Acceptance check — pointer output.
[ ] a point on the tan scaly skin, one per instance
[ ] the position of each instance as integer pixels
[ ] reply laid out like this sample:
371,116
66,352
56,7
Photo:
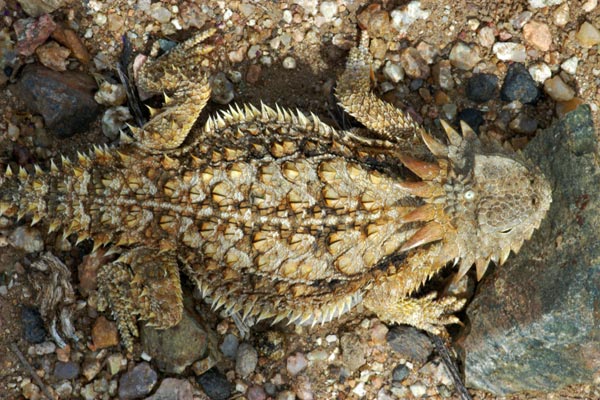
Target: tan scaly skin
274,214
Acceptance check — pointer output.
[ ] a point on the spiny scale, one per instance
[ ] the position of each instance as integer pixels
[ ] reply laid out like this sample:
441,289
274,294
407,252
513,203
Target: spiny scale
274,214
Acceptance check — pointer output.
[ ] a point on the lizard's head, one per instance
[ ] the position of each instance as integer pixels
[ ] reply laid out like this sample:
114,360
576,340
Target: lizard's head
484,199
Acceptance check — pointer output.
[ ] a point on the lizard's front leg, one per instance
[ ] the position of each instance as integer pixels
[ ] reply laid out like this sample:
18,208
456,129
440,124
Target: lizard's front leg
390,298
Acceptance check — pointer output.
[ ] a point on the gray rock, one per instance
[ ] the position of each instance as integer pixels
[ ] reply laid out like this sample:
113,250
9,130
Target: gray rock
410,343
137,383
353,351
173,389
66,370
246,359
36,8
176,348
535,324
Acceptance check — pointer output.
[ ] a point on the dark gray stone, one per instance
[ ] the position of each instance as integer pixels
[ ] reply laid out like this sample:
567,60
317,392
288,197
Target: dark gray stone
33,325
215,385
64,99
535,320
519,85
400,373
472,116
481,87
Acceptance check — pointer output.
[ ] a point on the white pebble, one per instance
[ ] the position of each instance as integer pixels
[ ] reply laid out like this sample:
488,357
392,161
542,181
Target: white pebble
328,10
287,16
540,72
544,3
360,390
570,65
393,72
508,51
289,63
418,389
404,17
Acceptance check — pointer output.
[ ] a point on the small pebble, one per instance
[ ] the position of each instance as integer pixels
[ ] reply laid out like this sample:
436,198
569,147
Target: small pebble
413,64
519,85
253,73
473,117
289,63
66,370
427,52
173,389
115,363
110,94
405,16
91,368
328,10
400,373
44,348
544,3
523,124
353,351
463,56
507,51
393,72
160,13
104,333
570,65
254,51
53,56
26,239
229,346
33,325
587,35
540,72
560,16
418,389
442,75
303,388
138,382
558,90
521,19
538,35
256,393
215,385
486,36
589,5
481,87
360,390
246,360
296,363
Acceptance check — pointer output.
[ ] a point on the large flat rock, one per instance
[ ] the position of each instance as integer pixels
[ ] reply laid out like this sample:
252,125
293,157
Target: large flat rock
535,320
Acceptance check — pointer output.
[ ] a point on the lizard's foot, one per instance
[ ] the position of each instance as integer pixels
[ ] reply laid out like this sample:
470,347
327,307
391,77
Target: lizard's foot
176,72
142,284
427,313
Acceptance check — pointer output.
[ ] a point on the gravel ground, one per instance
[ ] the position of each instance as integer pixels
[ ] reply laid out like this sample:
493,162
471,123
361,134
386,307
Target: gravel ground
509,69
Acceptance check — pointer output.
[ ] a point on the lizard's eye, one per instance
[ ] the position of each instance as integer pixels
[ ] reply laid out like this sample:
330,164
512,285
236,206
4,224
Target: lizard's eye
469,195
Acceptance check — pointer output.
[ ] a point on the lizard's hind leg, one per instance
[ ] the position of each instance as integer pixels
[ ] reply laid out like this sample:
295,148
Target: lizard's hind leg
186,89
142,284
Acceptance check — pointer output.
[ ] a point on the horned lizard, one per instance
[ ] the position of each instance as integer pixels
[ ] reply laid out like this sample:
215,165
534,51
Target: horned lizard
274,214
